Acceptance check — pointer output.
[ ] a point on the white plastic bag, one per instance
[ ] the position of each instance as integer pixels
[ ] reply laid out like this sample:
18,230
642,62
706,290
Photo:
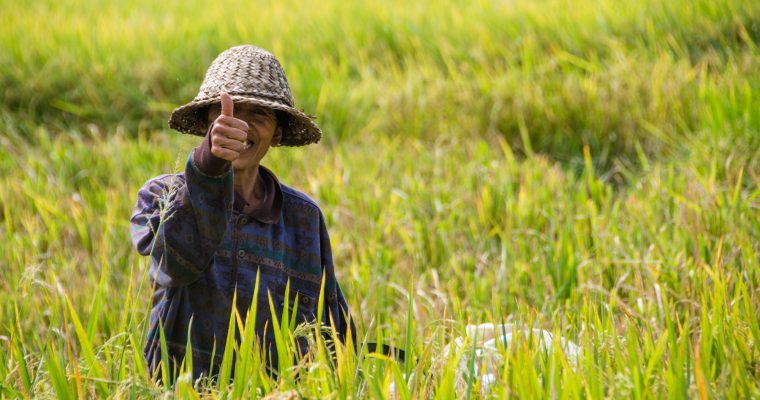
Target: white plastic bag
485,340
488,338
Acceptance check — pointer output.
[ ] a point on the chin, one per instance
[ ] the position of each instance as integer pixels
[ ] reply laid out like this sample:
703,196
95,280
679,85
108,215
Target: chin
242,164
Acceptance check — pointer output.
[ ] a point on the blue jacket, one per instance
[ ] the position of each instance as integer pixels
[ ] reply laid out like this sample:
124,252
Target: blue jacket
202,249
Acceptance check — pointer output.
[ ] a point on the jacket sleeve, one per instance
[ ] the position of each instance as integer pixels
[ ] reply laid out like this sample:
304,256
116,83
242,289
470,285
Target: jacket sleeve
180,221
336,305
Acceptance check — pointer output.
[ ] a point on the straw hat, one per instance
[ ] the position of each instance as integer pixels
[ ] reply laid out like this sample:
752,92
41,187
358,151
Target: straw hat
250,75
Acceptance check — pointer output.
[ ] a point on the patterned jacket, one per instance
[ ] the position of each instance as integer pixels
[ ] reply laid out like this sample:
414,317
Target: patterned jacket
203,249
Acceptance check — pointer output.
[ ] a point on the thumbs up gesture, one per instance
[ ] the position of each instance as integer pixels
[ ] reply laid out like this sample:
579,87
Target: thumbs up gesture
228,134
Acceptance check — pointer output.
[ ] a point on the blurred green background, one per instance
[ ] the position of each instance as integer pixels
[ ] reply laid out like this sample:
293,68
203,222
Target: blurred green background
605,73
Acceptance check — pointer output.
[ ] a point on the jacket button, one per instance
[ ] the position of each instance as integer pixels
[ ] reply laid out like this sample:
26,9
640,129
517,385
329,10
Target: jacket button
305,300
243,221
241,253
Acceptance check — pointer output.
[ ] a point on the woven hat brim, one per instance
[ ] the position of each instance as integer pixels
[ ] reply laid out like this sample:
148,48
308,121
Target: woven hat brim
299,130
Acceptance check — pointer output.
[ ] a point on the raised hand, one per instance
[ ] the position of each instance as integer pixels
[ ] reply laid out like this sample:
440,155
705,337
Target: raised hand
228,134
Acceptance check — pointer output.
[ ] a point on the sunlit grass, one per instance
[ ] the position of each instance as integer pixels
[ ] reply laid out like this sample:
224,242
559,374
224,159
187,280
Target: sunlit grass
589,169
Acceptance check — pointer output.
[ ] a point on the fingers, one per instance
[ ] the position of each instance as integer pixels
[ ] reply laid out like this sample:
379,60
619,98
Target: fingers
227,105
232,122
227,143
225,154
226,148
228,132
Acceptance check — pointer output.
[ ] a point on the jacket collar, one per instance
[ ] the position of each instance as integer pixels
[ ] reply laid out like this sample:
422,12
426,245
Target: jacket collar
270,210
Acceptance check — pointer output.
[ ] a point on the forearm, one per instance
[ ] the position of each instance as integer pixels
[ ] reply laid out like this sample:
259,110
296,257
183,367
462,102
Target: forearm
181,224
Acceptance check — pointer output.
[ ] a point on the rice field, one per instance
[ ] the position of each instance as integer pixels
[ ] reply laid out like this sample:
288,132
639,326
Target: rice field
587,168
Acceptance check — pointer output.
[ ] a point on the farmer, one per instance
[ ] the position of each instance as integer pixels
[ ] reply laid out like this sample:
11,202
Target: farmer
211,229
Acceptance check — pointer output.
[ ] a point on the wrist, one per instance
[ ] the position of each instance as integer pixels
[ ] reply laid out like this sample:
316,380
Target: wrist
206,162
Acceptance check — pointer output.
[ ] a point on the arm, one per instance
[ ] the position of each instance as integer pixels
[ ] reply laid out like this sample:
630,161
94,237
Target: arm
181,223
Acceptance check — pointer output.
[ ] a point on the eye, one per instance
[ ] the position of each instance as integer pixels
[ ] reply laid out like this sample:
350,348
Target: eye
262,118
253,120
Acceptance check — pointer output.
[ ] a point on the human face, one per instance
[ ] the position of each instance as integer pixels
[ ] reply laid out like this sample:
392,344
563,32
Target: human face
263,132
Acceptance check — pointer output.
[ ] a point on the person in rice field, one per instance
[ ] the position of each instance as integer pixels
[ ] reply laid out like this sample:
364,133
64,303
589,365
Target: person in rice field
211,229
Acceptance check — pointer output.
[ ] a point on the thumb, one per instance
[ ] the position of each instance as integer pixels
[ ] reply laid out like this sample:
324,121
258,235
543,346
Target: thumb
227,105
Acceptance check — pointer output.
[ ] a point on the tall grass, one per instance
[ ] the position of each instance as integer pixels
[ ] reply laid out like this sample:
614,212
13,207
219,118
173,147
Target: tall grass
587,168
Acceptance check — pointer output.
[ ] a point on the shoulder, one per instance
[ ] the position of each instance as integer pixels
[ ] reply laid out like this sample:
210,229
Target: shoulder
161,183
294,198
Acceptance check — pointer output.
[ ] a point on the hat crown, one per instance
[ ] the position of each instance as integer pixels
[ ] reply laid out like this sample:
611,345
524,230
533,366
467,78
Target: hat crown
246,71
